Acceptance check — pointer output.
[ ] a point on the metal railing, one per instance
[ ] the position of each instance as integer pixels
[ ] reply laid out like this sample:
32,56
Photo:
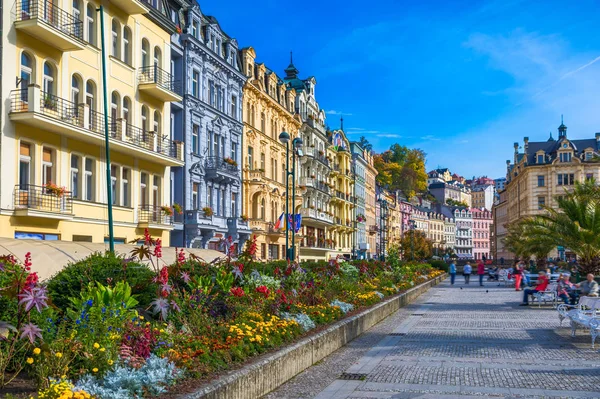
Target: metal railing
153,214
221,164
154,74
43,198
48,12
312,242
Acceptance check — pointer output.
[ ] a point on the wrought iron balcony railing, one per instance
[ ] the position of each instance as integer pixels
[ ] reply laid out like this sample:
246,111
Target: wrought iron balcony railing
154,214
162,78
48,12
43,198
221,164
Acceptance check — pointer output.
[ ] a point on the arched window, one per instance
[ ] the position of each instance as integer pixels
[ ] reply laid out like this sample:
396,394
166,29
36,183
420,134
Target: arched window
27,70
76,89
157,124
144,118
126,108
157,57
127,45
115,102
116,39
262,209
91,24
49,79
145,55
90,100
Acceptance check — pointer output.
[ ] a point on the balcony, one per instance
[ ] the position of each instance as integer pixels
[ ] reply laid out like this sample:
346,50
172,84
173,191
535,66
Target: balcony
222,170
273,232
159,84
314,183
133,7
45,21
35,108
316,243
43,201
373,229
153,216
318,155
257,225
315,124
316,215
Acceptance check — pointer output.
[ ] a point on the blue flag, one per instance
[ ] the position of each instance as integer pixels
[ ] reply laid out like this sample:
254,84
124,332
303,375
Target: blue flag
298,223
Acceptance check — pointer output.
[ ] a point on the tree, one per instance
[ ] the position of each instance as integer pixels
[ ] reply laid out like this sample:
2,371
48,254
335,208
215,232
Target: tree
364,143
461,204
574,225
519,240
402,168
415,242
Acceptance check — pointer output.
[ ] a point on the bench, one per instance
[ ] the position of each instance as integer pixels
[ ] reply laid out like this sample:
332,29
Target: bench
548,295
585,314
503,278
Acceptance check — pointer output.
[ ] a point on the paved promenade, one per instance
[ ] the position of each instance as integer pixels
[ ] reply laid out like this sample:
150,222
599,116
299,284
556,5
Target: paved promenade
458,343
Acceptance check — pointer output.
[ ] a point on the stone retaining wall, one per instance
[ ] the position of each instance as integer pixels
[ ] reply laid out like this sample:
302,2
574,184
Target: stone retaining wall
264,375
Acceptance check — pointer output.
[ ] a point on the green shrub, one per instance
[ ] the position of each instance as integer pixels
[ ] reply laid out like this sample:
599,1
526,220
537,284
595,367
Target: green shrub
439,264
104,268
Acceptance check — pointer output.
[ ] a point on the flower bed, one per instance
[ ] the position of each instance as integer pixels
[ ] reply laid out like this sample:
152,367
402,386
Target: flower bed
120,336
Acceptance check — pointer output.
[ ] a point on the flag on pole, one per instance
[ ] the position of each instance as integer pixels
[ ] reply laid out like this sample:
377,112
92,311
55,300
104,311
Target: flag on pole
298,223
290,221
280,222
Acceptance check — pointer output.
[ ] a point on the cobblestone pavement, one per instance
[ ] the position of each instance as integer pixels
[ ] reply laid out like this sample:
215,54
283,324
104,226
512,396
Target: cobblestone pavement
458,343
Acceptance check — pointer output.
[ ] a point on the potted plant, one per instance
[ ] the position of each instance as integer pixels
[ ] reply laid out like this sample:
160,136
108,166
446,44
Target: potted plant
244,218
177,208
55,190
178,29
208,211
230,161
50,102
166,210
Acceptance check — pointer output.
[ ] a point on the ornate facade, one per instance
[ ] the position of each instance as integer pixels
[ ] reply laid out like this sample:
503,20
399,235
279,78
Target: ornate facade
209,187
360,245
482,222
370,205
54,170
269,106
464,233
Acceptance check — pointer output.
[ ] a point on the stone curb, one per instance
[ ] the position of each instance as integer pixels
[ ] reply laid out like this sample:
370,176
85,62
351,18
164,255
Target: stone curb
265,375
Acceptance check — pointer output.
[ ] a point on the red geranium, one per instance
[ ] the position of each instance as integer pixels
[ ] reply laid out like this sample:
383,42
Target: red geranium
263,290
237,291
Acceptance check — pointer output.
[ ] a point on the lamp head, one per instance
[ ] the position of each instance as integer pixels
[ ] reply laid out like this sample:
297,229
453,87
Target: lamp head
298,142
284,137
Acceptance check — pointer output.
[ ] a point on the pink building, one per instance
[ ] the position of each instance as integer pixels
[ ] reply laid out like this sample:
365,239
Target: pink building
406,211
482,222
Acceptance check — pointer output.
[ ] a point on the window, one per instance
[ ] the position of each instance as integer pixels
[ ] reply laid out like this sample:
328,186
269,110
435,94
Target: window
195,190
25,177
566,179
47,165
144,188
541,181
541,202
223,202
156,191
113,184
234,212
90,100
250,158
209,197
75,177
19,235
234,151
145,55
262,209
115,101
195,80
126,107
125,179
27,68
145,121
91,24
76,11
116,39
211,93
157,57
262,122
195,29
157,124
127,45
589,156
89,179
565,157
195,135
263,251
262,160
49,77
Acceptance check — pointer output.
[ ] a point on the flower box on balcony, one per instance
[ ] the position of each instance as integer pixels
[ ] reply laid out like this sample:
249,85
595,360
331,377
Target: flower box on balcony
208,212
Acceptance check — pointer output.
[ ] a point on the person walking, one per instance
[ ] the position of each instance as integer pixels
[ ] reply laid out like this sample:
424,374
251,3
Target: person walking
467,269
452,271
518,273
480,272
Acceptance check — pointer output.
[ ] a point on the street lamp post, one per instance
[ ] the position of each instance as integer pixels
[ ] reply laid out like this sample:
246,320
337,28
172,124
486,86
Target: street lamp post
284,137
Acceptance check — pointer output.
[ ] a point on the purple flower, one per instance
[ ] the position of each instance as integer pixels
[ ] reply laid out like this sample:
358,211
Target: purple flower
160,305
166,288
175,306
34,297
31,331
1,266
185,276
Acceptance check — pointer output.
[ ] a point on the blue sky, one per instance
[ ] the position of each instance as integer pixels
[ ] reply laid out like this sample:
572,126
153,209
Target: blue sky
461,80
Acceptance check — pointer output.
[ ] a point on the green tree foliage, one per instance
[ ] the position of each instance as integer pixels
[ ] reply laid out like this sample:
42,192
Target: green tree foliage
452,202
402,168
519,240
574,225
364,143
415,242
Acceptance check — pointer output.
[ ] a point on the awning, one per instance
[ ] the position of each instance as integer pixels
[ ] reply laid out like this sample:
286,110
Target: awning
49,257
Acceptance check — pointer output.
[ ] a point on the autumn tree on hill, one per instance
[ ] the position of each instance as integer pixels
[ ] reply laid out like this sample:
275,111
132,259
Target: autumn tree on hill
402,168
415,245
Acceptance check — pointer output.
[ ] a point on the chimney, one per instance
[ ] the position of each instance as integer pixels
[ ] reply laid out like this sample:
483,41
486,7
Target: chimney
526,141
516,152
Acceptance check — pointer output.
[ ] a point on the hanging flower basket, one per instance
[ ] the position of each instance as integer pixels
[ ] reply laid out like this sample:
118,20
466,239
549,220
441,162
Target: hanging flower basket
208,211
166,210
177,208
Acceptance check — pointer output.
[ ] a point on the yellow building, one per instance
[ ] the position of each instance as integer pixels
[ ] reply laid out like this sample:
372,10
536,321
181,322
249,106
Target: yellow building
436,231
370,205
53,156
269,110
342,201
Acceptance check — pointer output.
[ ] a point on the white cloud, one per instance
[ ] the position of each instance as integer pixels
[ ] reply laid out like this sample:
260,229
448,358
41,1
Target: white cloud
334,112
430,137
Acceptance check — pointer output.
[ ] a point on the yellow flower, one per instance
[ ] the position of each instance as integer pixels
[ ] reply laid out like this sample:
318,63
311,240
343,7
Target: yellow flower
96,345
37,351
95,370
110,362
141,317
102,349
58,355
162,331
29,360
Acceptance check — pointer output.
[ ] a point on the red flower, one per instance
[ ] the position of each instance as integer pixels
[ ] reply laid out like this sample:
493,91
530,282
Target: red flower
28,261
31,281
237,291
263,290
158,248
180,256
147,237
163,276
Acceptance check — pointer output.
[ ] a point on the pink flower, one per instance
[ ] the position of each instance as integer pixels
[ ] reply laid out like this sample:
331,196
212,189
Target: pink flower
31,331
180,256
147,237
34,297
27,263
185,276
158,248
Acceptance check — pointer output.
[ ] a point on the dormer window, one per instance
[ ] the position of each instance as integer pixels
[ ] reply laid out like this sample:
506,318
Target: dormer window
540,159
589,156
195,29
565,156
